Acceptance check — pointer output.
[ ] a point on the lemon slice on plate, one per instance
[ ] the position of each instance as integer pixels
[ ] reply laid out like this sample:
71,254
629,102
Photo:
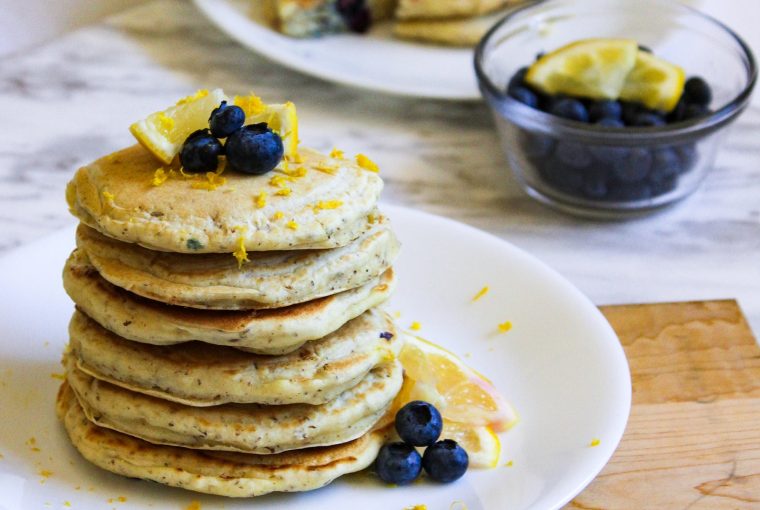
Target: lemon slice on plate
653,82
592,68
164,132
281,118
471,407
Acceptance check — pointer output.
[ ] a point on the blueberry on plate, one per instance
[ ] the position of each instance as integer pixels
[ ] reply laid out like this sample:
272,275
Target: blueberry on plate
445,461
225,120
569,109
419,423
254,149
607,109
647,119
525,96
398,463
697,91
200,152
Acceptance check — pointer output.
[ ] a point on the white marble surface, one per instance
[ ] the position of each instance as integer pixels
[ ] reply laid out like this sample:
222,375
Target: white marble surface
70,101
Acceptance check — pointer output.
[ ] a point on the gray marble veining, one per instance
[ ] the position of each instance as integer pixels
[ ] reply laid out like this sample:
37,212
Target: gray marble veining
71,101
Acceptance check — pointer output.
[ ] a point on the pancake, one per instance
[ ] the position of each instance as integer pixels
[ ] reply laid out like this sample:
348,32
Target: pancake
428,9
248,428
327,207
199,374
453,32
221,473
273,331
214,281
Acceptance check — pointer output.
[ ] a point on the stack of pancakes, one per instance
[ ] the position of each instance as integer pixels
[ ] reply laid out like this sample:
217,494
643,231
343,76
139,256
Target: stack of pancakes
226,337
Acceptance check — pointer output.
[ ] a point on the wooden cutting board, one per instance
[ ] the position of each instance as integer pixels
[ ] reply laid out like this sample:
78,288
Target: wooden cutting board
693,437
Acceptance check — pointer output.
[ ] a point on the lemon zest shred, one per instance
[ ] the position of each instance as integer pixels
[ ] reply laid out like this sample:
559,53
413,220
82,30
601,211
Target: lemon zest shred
509,463
165,123
251,104
595,442
325,168
415,326
482,292
328,204
109,197
278,181
284,192
278,215
194,505
213,181
240,253
416,507
366,163
371,218
194,97
261,200
505,326
60,377
337,154
159,177
292,225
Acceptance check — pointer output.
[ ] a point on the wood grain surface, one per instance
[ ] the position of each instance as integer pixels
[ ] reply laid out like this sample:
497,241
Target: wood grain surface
693,437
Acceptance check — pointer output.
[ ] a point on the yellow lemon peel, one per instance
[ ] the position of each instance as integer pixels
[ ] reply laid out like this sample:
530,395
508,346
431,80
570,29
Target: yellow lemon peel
366,163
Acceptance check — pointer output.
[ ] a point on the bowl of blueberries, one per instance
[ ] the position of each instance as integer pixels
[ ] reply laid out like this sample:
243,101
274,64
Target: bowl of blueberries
611,108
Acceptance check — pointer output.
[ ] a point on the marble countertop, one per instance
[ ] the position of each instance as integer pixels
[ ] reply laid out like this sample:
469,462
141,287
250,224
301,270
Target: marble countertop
70,101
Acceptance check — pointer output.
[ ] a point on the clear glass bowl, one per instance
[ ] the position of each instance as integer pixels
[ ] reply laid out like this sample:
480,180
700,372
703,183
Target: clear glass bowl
613,173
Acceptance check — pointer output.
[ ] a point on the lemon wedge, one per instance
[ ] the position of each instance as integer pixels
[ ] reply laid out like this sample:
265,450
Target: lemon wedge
592,68
653,82
482,445
281,118
163,133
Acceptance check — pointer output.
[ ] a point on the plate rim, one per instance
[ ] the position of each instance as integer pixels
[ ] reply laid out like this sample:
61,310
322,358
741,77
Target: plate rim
356,82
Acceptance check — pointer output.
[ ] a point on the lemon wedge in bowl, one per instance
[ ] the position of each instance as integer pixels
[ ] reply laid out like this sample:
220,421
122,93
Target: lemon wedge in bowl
591,68
654,82
163,133
472,409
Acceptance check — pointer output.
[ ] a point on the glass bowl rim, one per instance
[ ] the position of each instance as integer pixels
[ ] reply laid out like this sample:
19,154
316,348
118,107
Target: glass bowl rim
683,129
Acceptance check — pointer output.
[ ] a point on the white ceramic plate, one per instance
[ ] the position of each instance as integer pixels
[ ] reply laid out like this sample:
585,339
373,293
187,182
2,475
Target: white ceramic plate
374,61
561,366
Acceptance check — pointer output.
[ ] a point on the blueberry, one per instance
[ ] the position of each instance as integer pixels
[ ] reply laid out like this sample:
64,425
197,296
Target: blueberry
665,164
569,109
677,115
225,120
647,119
605,110
564,178
688,156
445,461
356,14
419,423
517,80
398,463
200,152
595,182
697,91
254,149
525,96
631,191
572,154
610,123
694,111
630,110
634,167
536,145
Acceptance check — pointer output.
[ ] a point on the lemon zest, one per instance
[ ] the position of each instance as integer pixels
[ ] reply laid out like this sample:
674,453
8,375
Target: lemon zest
213,181
240,253
284,192
505,326
278,215
371,218
194,505
261,200
165,123
509,463
159,177
251,104
366,163
60,377
295,158
325,168
292,225
298,173
415,326
481,293
595,442
278,181
337,154
328,204
194,97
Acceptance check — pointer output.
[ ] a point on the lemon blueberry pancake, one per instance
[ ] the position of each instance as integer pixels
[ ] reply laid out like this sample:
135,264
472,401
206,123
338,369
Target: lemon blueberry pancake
412,9
215,281
199,374
222,473
449,31
270,331
313,18
249,428
326,204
